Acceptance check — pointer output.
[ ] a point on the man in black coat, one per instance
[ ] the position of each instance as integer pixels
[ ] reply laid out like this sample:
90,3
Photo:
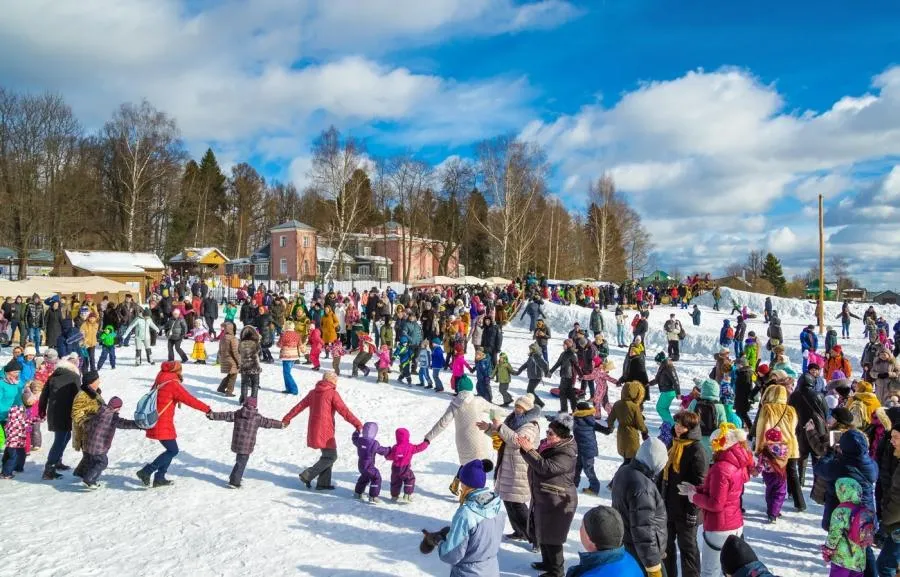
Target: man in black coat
684,516
55,404
810,406
643,510
491,340
210,308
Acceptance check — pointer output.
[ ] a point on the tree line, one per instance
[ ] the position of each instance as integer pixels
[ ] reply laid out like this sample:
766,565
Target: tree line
132,186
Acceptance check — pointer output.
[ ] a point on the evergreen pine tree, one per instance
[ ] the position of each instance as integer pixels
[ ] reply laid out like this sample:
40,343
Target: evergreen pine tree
772,272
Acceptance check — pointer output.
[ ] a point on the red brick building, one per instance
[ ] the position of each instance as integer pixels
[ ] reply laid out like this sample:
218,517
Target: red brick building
292,254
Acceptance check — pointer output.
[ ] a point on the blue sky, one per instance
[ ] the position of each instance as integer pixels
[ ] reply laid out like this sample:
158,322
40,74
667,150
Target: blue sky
720,121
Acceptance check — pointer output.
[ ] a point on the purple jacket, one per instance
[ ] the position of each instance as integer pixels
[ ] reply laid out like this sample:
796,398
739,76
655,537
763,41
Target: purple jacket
101,428
247,422
367,447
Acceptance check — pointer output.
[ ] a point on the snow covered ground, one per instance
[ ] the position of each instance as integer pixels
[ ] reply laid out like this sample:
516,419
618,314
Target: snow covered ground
274,527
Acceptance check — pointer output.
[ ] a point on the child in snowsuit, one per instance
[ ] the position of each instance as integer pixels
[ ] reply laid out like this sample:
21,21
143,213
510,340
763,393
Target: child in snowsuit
602,381
16,431
437,363
366,449
536,368
402,476
247,422
772,462
627,413
315,347
424,361
107,347
848,559
483,375
99,433
503,373
403,353
248,351
200,335
384,363
337,351
726,397
458,366
585,432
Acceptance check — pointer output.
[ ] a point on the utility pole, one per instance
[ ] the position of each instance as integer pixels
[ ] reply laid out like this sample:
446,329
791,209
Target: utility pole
820,310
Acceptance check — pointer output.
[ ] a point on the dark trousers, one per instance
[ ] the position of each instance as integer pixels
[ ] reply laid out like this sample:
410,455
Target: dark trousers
107,352
674,350
95,465
372,478
402,478
553,560
160,465
359,363
504,392
60,440
744,415
227,384
483,389
249,386
532,385
685,536
176,346
209,325
92,361
587,465
567,394
321,470
14,461
794,487
518,518
13,325
237,473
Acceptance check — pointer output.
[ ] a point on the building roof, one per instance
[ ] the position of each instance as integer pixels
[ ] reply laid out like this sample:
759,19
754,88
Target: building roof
100,261
326,254
36,254
374,258
195,255
293,225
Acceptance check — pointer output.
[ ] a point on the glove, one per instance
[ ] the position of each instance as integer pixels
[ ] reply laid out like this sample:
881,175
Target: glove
827,553
285,422
209,415
883,375
432,540
685,489
645,435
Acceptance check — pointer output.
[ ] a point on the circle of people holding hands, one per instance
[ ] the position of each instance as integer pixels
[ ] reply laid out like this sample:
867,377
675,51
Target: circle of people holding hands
676,499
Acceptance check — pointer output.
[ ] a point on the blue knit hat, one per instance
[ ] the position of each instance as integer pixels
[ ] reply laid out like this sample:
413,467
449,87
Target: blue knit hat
474,473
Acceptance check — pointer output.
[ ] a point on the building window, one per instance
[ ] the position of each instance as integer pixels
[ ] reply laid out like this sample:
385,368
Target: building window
382,272
364,271
262,269
283,266
347,272
282,241
367,251
305,242
305,268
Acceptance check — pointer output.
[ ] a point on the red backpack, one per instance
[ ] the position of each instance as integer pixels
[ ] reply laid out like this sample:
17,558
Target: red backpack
862,525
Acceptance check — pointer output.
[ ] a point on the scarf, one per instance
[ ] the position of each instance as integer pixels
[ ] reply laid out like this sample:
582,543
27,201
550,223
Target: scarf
515,421
675,453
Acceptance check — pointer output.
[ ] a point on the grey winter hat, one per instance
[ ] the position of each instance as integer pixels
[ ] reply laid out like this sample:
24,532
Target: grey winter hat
563,424
653,454
604,527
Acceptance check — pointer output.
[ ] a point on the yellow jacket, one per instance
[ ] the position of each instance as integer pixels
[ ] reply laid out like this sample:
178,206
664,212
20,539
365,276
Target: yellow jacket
89,329
84,407
774,411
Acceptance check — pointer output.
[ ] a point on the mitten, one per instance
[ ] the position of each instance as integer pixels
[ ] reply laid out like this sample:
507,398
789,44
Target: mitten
645,435
432,540
827,553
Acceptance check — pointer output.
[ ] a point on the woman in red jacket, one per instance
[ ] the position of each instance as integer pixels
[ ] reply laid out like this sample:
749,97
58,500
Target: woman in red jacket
171,394
323,402
720,495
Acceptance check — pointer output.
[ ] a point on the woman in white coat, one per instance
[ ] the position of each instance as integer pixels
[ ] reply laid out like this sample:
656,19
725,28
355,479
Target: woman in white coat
511,472
143,327
465,411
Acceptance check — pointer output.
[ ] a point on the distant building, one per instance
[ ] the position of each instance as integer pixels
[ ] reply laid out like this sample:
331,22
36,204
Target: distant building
39,262
812,290
207,260
137,270
886,298
293,252
857,295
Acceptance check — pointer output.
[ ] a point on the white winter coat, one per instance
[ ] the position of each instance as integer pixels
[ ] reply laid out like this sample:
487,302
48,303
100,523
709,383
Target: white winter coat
512,474
341,312
465,411
141,328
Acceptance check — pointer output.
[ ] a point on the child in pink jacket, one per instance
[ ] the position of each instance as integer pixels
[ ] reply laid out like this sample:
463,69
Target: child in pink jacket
402,476
600,376
315,347
384,363
458,367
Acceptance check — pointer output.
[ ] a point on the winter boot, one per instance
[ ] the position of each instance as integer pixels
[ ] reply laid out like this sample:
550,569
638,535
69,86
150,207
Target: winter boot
61,467
149,359
374,500
50,474
144,477
162,483
358,496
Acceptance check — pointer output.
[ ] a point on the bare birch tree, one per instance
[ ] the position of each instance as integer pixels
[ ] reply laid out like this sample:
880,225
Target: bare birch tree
410,179
145,150
600,214
335,159
513,174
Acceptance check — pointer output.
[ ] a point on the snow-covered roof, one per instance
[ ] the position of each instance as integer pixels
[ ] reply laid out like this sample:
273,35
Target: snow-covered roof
196,254
293,225
374,258
326,254
98,261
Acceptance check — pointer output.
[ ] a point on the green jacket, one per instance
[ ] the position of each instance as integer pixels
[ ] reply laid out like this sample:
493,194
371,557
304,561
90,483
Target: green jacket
846,553
503,372
108,337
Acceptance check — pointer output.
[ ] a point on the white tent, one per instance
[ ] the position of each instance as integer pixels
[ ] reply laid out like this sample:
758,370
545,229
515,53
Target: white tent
473,280
437,281
47,286
497,281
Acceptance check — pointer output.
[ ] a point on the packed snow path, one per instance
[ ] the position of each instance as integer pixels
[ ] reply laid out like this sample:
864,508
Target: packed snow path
274,526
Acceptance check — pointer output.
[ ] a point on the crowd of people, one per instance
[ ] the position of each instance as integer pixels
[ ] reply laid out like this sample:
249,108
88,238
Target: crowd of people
689,477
